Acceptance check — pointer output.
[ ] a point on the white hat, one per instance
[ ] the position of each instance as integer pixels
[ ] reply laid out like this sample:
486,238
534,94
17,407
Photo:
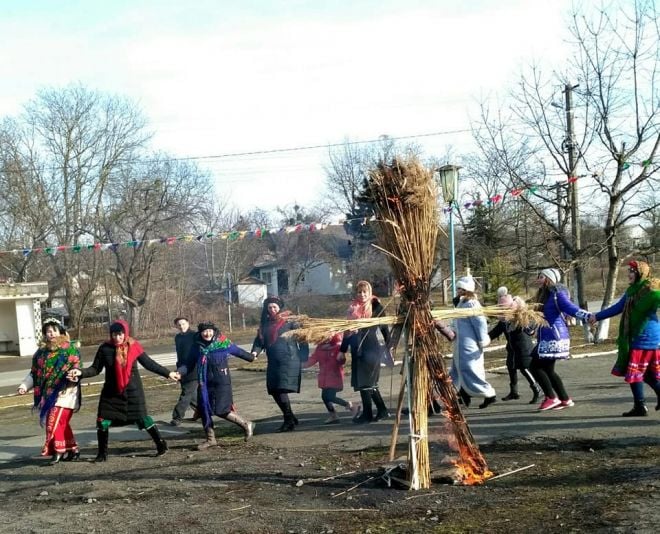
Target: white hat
552,274
502,291
466,283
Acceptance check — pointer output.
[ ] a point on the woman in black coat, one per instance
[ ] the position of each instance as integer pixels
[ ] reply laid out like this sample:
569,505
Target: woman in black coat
122,397
366,353
284,357
209,359
519,347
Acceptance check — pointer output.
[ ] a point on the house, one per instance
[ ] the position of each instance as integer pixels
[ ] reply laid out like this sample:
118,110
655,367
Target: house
318,266
20,316
251,292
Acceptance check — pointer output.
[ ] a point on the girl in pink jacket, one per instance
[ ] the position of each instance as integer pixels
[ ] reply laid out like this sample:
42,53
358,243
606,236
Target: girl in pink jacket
331,376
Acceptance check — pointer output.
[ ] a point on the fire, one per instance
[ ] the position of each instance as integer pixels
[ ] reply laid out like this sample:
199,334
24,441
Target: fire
469,476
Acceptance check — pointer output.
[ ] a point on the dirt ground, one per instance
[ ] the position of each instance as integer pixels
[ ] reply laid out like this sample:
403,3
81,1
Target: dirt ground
295,483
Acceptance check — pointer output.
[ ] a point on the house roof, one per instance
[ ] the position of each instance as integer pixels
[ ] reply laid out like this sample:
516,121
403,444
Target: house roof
250,281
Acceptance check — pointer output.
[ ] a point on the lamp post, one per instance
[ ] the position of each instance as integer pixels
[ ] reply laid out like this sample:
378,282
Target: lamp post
449,183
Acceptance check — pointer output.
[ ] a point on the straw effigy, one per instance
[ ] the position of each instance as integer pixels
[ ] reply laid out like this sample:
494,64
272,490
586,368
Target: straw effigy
404,199
403,196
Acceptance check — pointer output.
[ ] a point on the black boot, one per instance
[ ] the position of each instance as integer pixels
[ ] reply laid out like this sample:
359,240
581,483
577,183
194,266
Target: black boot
72,456
536,392
289,423
247,426
161,445
382,411
102,438
639,410
367,415
513,393
465,397
488,401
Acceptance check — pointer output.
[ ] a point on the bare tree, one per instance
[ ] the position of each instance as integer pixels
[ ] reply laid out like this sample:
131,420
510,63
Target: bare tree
155,200
613,135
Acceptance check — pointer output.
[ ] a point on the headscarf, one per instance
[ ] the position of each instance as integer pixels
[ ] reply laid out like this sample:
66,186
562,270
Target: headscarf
359,309
634,317
50,365
125,353
208,325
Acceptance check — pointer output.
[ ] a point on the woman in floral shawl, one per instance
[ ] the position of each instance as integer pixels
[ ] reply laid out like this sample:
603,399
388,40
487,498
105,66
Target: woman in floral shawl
210,352
638,358
55,396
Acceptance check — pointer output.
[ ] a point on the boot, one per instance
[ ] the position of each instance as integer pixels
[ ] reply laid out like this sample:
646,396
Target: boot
161,445
488,401
381,407
72,456
465,397
513,393
247,426
536,392
102,438
289,423
367,415
210,441
57,458
639,410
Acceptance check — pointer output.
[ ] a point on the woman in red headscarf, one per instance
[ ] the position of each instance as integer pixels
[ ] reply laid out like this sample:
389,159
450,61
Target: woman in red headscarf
122,397
638,358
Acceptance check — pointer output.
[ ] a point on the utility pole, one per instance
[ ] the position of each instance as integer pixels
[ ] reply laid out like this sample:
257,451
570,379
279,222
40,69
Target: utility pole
575,209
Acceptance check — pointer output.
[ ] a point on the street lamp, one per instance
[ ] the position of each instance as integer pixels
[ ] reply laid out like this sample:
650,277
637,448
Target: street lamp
449,183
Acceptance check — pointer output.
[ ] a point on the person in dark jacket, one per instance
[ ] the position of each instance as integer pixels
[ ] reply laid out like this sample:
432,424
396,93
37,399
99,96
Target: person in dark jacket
284,357
366,353
184,342
210,361
519,347
122,397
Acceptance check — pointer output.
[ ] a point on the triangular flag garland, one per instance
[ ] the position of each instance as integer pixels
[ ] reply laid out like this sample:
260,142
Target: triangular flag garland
234,235
237,235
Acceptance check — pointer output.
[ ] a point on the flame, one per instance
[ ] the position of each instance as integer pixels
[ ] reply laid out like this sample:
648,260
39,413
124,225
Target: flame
468,475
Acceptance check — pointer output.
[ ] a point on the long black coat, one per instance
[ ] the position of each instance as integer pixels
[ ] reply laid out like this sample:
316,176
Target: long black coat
184,342
519,343
366,352
129,406
284,357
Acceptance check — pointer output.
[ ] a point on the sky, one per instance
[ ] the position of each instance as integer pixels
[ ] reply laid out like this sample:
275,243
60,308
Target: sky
222,77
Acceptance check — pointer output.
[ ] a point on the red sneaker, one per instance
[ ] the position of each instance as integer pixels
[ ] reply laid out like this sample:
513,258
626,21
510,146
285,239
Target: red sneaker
549,403
565,404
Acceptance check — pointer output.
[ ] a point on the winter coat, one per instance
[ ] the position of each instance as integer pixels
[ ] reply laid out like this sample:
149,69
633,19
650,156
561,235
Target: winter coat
284,359
130,405
554,341
211,366
366,351
331,371
184,342
468,371
519,343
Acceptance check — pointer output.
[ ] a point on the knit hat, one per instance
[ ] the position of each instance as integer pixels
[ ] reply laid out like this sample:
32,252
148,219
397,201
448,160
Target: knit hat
552,274
274,300
206,325
466,283
503,296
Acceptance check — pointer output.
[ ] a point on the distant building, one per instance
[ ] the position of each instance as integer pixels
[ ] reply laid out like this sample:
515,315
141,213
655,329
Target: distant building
20,316
251,292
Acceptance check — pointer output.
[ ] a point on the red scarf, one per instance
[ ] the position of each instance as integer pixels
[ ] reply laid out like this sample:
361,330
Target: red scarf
269,332
125,356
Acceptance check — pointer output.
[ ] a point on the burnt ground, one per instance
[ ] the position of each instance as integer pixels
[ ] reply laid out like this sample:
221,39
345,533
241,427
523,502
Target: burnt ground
593,471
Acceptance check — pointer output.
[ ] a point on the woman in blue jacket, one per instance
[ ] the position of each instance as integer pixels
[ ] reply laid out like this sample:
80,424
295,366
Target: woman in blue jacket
554,341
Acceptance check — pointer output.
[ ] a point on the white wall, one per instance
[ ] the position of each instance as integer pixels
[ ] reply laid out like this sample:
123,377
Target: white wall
8,328
251,295
324,279
27,322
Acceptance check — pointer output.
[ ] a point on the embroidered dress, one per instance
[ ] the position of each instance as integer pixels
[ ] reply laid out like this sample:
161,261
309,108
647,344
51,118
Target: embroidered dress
54,396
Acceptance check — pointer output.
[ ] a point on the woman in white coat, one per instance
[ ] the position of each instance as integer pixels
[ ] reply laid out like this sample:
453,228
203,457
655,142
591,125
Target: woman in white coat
468,371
